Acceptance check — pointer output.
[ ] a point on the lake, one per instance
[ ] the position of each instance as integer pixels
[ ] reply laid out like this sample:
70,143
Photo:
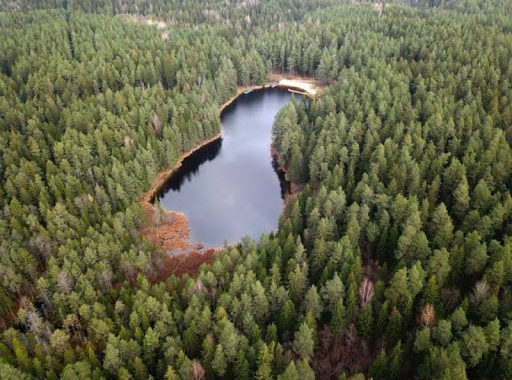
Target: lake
229,188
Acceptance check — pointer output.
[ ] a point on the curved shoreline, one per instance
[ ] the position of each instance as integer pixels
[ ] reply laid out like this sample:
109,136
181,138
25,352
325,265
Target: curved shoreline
180,232
163,176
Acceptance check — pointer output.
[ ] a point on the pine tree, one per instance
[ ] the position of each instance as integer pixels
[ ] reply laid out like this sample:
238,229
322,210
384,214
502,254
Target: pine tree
241,367
338,318
378,369
170,374
207,353
461,195
265,359
365,321
303,343
395,361
474,345
313,303
287,317
394,328
219,363
290,373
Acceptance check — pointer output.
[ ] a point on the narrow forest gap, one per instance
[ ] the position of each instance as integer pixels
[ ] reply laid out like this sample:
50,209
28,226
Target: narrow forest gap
69,34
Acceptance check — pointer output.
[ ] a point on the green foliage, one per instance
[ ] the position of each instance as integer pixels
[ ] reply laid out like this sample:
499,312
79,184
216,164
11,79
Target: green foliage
474,344
405,157
303,344
423,340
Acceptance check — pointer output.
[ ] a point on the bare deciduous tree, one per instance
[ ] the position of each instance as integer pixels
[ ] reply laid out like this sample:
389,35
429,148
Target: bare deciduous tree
41,246
366,291
64,282
197,371
378,8
129,270
35,324
105,278
428,315
480,293
157,123
450,297
198,286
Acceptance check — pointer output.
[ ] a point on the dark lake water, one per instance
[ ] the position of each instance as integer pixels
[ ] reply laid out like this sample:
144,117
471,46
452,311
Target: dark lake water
229,188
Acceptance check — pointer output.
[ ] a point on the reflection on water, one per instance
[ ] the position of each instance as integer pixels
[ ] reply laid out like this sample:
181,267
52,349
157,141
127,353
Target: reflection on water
229,188
191,164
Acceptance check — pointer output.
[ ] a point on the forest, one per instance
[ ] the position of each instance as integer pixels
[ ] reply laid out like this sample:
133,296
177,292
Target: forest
394,261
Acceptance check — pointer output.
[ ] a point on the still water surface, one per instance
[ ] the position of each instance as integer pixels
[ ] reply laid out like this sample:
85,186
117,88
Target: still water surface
229,188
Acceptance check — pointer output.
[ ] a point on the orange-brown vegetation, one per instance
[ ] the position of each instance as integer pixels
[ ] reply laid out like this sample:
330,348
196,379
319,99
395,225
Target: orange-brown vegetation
345,352
170,234
428,315
197,372
164,266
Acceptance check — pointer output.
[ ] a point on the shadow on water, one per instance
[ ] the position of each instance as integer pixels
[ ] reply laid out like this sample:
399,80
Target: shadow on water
285,185
190,166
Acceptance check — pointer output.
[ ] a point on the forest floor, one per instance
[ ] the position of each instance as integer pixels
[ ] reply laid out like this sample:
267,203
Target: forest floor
170,230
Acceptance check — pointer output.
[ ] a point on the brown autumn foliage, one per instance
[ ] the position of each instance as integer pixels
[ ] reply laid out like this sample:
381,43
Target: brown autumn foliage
169,233
164,266
428,315
346,352
450,298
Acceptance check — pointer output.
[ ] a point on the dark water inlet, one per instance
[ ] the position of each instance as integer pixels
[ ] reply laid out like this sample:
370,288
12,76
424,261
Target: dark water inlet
229,188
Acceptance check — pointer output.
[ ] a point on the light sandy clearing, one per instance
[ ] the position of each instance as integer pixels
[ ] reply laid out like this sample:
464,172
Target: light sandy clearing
309,85
305,85
143,20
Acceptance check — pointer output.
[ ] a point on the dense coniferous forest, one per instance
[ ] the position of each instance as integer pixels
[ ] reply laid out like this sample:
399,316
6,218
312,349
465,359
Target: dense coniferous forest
393,261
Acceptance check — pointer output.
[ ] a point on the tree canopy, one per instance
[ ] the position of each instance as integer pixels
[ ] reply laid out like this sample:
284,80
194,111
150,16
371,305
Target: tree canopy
393,261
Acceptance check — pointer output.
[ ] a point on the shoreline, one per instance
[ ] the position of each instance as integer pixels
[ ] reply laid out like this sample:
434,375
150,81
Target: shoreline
306,86
163,176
